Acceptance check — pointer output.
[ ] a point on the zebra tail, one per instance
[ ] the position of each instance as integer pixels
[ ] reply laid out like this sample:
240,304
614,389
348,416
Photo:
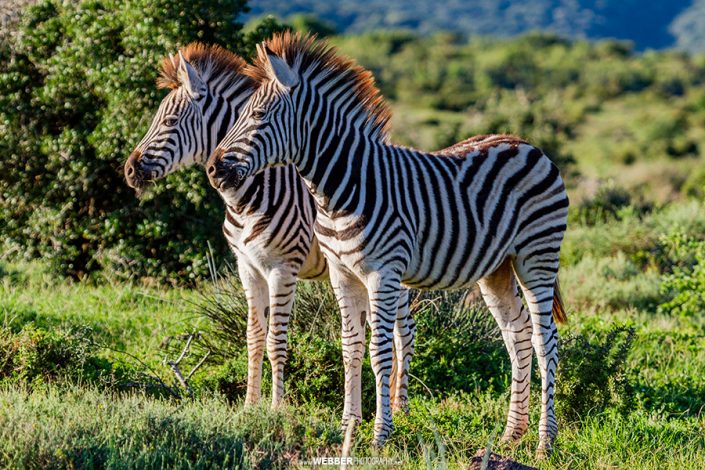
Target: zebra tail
559,314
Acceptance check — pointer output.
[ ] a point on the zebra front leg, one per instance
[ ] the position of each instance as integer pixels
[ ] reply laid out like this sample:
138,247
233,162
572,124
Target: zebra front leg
352,299
538,277
257,294
384,302
282,286
404,334
501,294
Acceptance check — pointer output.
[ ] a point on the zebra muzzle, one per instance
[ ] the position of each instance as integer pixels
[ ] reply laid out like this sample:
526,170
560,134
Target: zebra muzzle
223,175
133,172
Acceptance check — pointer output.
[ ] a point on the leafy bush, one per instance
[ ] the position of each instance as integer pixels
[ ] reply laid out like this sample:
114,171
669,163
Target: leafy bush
694,185
76,95
591,374
33,356
611,283
457,349
605,206
685,284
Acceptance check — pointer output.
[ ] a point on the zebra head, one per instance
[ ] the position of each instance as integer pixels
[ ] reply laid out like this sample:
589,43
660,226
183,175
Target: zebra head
265,133
176,137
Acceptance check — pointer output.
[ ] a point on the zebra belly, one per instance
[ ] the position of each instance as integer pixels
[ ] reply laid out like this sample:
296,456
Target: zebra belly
450,281
457,264
315,267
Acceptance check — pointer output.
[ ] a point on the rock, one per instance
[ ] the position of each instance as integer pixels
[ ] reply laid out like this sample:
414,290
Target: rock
496,462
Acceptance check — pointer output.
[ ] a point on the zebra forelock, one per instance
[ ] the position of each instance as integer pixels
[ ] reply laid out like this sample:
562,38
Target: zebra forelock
322,66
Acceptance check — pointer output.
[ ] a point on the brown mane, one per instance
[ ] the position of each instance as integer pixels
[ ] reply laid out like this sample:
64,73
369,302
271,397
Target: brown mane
208,60
481,143
305,53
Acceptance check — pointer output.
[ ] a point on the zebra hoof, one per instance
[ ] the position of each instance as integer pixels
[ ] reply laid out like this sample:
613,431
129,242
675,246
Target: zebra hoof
400,406
512,435
544,450
347,419
382,435
251,401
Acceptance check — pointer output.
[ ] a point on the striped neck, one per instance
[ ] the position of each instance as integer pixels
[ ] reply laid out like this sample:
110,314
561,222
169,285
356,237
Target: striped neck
221,108
336,151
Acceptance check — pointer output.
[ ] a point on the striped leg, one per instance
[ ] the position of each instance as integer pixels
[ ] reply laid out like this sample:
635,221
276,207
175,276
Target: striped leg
352,299
282,285
404,333
537,275
257,294
501,294
384,302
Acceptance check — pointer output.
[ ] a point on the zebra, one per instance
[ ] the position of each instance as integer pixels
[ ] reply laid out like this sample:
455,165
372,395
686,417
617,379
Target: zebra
268,219
491,210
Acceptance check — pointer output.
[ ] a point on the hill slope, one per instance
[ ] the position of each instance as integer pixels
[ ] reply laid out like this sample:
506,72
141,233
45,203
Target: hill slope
648,24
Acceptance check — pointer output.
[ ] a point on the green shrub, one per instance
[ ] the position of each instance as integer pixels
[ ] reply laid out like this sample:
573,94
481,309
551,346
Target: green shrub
457,348
33,356
591,374
229,378
694,185
685,284
76,95
605,206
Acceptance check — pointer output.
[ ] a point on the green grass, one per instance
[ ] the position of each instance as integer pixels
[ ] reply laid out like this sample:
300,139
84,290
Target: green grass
84,427
611,275
124,316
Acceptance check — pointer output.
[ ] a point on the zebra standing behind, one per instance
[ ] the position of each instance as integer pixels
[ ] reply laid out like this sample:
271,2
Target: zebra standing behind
491,209
268,219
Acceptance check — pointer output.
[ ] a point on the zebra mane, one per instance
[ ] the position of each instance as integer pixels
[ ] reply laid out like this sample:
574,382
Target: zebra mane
209,60
312,57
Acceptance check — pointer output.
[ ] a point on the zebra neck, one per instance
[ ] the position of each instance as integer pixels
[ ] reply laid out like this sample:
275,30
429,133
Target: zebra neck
221,110
336,165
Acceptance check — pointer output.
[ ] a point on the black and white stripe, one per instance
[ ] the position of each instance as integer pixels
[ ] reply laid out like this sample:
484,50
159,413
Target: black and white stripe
269,218
491,209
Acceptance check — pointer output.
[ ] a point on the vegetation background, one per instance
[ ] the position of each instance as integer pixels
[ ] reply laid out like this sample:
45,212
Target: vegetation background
98,287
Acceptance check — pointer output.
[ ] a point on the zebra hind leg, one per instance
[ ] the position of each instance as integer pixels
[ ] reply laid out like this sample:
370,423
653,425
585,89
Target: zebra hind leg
501,294
404,334
537,275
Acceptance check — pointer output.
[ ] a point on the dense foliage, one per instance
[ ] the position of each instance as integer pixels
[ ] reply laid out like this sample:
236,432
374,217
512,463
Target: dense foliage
685,285
648,24
76,95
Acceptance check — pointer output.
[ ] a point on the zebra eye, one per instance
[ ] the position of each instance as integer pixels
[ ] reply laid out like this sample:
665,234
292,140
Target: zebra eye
170,121
259,114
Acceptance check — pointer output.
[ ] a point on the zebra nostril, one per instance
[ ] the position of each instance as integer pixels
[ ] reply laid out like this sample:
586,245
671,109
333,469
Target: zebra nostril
211,170
130,171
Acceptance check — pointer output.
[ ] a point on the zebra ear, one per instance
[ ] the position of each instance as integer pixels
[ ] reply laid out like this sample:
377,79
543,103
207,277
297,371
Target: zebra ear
190,79
281,72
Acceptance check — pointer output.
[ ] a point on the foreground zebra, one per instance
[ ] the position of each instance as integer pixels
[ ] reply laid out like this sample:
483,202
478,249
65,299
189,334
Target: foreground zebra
269,217
491,209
